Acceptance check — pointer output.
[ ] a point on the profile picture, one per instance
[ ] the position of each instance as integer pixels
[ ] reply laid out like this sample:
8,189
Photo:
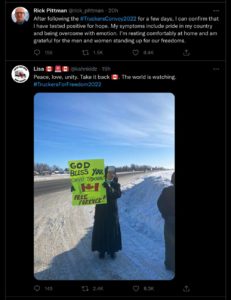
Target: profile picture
20,74
20,15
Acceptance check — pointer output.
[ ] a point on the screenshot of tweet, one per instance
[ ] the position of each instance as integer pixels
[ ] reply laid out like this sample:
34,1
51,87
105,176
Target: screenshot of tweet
115,122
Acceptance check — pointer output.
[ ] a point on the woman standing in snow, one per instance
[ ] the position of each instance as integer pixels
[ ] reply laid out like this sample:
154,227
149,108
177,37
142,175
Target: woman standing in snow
106,236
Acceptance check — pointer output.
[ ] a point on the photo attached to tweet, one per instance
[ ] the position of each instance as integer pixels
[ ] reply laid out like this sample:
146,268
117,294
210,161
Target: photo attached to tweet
110,186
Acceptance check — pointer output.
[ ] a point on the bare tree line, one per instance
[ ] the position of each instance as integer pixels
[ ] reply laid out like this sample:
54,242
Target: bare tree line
42,168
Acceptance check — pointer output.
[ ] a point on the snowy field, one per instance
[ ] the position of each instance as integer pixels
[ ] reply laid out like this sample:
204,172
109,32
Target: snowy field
62,235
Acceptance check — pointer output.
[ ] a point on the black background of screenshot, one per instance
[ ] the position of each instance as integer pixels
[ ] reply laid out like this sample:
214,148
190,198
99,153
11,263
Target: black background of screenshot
200,162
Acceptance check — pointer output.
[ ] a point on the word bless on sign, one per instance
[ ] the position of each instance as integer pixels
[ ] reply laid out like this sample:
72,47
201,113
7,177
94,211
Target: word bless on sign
87,177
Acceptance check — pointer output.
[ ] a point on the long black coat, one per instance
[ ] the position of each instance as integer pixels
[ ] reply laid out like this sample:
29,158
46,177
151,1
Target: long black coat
166,202
106,236
166,205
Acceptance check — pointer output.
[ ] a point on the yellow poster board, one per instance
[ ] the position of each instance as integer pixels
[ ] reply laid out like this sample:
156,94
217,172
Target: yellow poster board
87,177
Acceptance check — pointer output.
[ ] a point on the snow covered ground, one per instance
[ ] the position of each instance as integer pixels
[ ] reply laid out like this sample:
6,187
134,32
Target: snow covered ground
62,235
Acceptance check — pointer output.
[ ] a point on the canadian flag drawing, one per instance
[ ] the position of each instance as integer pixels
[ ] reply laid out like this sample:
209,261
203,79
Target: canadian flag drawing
89,187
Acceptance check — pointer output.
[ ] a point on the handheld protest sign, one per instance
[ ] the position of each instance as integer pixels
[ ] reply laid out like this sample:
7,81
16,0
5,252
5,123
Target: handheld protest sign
87,177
